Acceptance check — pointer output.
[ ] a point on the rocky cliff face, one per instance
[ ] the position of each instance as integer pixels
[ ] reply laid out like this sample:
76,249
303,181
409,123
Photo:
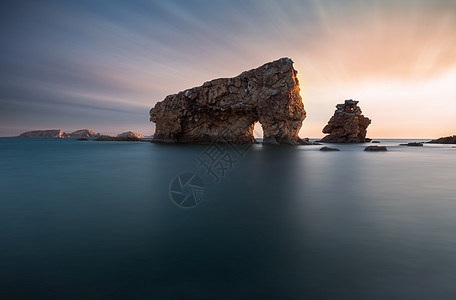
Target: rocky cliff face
225,110
52,133
347,125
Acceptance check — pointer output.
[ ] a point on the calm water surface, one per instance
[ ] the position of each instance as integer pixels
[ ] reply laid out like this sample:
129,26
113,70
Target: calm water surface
94,220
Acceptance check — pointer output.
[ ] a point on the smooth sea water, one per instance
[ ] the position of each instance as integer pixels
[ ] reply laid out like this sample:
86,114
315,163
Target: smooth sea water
94,220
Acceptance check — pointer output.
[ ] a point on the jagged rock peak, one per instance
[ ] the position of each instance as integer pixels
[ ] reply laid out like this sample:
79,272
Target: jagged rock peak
225,110
347,125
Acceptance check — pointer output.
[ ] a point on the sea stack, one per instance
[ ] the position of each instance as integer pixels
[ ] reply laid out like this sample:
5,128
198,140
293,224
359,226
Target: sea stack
225,110
347,125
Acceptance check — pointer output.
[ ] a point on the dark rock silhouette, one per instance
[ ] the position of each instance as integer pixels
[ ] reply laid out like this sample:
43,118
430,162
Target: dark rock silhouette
329,149
125,138
225,110
444,140
347,125
375,148
413,144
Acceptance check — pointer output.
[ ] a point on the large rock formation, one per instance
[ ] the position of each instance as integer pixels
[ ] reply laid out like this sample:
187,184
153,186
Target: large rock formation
225,110
444,140
347,125
52,133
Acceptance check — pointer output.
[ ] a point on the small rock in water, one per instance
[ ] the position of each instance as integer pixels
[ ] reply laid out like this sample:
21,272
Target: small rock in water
329,149
412,144
375,142
375,148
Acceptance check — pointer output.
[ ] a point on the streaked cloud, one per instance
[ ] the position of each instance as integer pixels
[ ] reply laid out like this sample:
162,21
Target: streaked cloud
112,60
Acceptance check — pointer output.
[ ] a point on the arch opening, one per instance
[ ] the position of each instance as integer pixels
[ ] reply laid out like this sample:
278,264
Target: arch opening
258,131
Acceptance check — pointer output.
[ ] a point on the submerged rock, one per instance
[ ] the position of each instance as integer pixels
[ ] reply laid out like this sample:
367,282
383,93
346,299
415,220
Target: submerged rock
414,144
329,149
375,142
225,110
52,133
347,125
375,148
444,140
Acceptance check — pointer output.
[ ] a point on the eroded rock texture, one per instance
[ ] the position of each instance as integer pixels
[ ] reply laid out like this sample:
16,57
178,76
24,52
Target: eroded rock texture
347,125
225,110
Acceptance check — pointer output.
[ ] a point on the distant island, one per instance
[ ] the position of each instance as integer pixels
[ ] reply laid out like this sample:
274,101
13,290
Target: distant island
83,134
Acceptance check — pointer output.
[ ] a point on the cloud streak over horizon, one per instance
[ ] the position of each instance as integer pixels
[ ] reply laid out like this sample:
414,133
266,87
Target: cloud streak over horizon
104,64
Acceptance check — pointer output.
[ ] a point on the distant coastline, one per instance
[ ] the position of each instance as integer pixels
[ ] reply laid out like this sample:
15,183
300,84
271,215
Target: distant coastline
81,134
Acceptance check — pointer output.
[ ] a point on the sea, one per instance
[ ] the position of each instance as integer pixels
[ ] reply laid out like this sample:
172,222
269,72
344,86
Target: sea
139,220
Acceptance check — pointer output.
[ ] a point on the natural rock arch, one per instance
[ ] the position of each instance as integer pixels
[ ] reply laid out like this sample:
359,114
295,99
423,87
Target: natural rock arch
225,110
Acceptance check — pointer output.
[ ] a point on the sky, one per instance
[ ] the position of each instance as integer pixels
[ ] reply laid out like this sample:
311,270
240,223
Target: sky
103,64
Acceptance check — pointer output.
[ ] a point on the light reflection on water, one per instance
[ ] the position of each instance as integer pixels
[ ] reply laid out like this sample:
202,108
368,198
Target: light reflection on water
94,220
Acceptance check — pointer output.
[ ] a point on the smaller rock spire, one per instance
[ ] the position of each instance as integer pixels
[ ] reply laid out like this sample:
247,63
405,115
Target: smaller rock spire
347,125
